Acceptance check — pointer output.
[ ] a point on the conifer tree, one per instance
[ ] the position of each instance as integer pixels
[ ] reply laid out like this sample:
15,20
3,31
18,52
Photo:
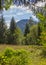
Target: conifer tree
14,34
12,28
31,22
27,29
2,30
12,25
28,25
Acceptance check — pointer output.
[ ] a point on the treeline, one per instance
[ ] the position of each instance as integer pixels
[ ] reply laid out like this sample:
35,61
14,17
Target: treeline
11,35
34,33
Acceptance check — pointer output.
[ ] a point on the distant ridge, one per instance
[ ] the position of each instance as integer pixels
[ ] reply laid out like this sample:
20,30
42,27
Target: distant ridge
21,24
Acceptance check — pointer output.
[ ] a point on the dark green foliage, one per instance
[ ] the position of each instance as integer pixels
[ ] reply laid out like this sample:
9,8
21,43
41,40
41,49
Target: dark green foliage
14,35
27,29
12,28
39,30
12,25
2,30
31,22
31,32
34,34
28,25
38,33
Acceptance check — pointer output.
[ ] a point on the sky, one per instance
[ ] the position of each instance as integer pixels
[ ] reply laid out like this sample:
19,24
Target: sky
18,13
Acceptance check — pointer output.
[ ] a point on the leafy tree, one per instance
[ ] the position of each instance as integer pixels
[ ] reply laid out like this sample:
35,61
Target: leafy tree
2,31
42,26
31,32
18,36
6,2
39,32
32,37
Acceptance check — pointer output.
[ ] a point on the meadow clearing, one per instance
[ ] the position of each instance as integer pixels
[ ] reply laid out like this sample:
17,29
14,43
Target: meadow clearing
37,53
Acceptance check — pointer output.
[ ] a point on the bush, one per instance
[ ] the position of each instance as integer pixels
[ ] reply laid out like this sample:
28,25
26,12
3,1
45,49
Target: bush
17,57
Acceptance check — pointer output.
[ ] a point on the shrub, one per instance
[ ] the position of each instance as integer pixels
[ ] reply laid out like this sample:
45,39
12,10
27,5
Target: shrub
17,57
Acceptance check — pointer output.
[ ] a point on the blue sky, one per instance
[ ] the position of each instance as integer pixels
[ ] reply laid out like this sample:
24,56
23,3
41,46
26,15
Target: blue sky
18,13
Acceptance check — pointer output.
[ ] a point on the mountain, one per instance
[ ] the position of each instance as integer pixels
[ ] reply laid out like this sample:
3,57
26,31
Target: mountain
21,24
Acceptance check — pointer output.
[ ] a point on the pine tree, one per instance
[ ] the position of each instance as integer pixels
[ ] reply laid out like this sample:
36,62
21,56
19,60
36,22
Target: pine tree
31,22
2,31
28,25
12,25
27,29
14,33
11,32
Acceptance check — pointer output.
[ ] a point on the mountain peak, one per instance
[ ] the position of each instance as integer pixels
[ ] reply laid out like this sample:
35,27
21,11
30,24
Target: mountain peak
21,24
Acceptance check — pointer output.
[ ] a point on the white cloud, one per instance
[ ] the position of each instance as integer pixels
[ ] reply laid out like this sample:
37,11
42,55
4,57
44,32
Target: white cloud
17,11
40,4
8,22
8,25
16,20
29,11
7,16
34,18
20,13
22,7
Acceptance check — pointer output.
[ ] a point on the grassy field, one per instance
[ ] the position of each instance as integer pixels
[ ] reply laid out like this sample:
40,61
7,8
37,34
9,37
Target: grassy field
36,53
